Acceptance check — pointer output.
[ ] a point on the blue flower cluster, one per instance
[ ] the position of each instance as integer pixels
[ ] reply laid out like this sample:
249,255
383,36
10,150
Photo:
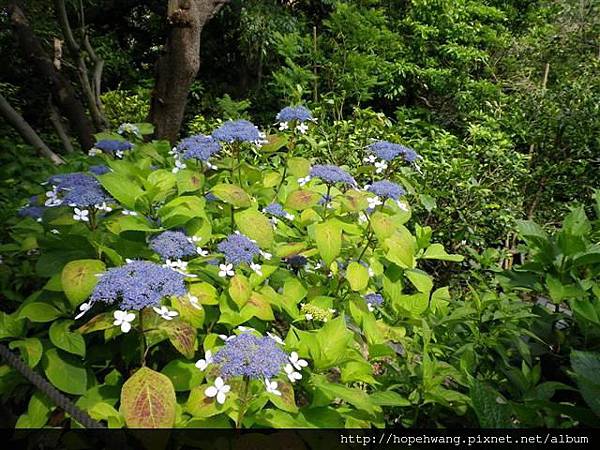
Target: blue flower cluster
331,174
275,209
374,299
99,169
173,244
113,146
299,113
79,189
388,150
386,189
237,131
238,249
198,147
138,285
250,356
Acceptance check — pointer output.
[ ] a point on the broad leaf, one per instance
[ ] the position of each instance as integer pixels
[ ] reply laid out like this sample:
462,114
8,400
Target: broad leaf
79,279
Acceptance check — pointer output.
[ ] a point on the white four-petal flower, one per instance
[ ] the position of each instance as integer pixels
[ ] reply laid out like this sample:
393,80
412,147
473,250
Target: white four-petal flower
219,390
81,214
272,387
202,364
226,270
291,373
123,319
302,127
165,313
257,268
297,362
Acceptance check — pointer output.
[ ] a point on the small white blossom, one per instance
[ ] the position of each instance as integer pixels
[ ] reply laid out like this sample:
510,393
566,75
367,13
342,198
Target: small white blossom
54,231
371,159
266,255
283,126
211,166
374,202
403,206
179,165
302,128
219,390
202,364
194,301
52,198
201,251
297,362
257,268
308,316
226,270
370,307
126,212
103,207
226,338
292,374
81,214
289,216
83,308
123,319
272,387
275,338
164,312
94,151
380,166
303,181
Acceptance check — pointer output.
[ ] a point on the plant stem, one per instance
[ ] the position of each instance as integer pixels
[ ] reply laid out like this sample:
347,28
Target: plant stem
142,339
243,403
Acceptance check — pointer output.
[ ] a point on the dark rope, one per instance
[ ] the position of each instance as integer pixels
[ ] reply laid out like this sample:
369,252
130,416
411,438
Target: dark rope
53,394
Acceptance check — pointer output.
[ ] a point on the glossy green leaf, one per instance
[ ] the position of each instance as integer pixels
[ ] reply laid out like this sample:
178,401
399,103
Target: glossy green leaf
79,278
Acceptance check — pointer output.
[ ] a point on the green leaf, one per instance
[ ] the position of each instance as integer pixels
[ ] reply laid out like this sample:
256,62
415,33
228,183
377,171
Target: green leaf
332,342
79,279
298,167
39,312
181,335
401,248
64,372
31,350
286,401
389,398
383,225
586,366
491,409
354,396
421,280
11,325
302,199
148,400
328,236
436,251
123,189
232,194
239,289
206,293
199,405
357,275
63,338
97,323
105,411
256,226
183,374
189,181
38,412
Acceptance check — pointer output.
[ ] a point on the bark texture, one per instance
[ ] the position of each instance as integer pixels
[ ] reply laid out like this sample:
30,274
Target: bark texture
179,63
27,133
62,91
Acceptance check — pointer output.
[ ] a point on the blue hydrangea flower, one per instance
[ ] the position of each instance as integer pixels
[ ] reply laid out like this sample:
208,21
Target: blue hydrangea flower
373,300
238,249
275,209
173,245
250,356
386,189
388,150
138,285
99,169
35,212
113,146
79,189
299,113
210,197
198,147
237,131
331,174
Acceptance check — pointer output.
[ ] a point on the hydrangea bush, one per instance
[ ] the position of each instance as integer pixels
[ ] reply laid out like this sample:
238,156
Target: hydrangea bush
229,282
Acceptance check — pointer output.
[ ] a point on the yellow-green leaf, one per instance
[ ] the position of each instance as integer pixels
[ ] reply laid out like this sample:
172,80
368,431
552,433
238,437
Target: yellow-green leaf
256,226
232,194
357,275
328,236
79,278
148,400
302,199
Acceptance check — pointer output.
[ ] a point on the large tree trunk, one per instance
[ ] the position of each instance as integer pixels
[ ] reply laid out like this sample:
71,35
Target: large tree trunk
178,65
27,133
60,87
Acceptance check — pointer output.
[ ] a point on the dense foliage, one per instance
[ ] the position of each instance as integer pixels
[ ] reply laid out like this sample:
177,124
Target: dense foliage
414,239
